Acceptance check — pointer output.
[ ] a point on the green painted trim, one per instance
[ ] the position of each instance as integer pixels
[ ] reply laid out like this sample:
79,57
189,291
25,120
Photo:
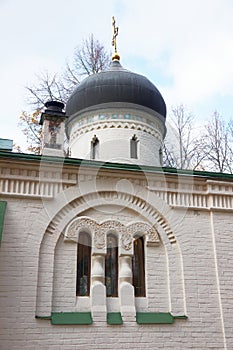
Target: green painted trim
43,317
154,318
182,317
113,166
114,318
71,318
157,317
2,215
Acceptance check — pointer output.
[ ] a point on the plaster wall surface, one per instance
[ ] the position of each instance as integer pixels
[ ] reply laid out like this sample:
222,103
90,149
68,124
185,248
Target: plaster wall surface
114,146
114,129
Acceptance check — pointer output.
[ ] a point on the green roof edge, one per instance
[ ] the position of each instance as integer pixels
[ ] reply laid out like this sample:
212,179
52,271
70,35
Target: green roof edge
113,166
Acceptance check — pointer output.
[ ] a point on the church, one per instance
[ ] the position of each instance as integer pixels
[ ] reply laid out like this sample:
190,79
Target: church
104,248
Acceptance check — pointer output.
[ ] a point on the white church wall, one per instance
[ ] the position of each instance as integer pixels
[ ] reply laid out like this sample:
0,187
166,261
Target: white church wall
222,230
157,283
64,282
194,274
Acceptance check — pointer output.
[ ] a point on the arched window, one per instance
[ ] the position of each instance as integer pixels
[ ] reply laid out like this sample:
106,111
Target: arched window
111,267
139,268
134,147
83,265
95,148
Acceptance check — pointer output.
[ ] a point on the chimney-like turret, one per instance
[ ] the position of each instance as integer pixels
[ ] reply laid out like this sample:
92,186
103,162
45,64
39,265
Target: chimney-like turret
53,130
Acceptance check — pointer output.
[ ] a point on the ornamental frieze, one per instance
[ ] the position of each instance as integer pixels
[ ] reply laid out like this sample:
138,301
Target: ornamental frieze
99,232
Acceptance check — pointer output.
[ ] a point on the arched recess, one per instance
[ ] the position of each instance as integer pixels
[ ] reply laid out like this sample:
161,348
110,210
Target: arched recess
73,209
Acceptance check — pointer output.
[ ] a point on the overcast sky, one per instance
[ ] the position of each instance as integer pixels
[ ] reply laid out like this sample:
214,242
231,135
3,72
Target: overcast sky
185,47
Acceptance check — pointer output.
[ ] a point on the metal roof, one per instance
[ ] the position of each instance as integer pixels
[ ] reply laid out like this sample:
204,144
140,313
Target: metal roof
115,85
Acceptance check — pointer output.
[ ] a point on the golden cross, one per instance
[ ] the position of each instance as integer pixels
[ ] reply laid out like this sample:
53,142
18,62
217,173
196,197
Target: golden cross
115,33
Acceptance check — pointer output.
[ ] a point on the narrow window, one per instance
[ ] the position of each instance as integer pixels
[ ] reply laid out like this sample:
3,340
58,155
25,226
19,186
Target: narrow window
111,267
161,156
139,268
134,147
94,148
83,265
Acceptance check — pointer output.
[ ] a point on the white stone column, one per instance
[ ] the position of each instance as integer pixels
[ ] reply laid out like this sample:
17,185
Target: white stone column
126,290
98,289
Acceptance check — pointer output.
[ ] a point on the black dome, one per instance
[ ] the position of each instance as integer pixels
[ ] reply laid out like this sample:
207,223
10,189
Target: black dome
115,85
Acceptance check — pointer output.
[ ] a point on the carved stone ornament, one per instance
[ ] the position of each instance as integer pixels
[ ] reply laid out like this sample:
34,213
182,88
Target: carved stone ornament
112,226
99,239
104,228
80,224
153,237
139,229
99,232
126,241
72,231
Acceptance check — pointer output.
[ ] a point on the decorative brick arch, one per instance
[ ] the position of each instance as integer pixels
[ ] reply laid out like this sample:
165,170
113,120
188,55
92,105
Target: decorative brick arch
74,204
122,199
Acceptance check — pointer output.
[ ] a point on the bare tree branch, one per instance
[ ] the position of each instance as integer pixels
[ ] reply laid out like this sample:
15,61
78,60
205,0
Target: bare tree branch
217,141
90,58
181,146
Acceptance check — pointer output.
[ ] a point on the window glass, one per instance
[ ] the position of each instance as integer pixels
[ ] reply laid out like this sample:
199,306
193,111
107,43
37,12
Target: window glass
83,265
111,267
139,268
134,147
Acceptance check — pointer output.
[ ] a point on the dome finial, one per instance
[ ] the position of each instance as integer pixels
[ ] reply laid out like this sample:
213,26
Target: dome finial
116,55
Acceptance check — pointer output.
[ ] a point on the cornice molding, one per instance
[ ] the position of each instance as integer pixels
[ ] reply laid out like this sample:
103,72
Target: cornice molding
41,177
